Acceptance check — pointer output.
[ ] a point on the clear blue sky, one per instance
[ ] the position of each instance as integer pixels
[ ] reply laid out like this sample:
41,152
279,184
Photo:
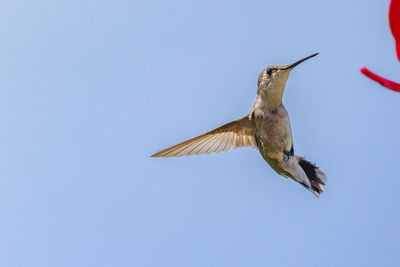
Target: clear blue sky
90,89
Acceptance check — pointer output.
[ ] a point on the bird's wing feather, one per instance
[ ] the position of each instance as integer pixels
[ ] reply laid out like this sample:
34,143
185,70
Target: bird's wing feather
229,136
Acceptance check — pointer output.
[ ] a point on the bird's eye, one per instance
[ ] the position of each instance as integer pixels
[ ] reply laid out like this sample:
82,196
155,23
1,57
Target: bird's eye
269,72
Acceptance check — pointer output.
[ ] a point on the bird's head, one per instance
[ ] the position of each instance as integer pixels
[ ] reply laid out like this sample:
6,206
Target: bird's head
272,80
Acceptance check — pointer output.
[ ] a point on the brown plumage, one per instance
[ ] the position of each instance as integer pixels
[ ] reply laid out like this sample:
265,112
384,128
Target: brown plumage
235,134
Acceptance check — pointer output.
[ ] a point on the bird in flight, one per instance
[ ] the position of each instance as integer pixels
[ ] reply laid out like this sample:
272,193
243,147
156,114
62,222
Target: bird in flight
266,127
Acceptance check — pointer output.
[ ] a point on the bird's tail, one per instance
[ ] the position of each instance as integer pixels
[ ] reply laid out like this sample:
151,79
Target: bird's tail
305,173
316,177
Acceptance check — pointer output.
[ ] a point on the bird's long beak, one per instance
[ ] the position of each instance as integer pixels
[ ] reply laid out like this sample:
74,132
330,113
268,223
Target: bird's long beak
291,66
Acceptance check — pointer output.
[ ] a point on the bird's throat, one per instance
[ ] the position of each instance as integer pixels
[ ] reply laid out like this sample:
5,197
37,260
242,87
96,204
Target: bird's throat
270,99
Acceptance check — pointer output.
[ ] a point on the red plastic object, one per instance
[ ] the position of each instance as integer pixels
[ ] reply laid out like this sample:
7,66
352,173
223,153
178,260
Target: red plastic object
394,22
385,82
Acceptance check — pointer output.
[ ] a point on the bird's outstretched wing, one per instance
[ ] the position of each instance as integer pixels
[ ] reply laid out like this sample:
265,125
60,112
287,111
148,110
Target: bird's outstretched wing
229,136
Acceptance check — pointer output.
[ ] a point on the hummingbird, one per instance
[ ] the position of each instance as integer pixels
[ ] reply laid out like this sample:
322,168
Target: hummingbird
266,128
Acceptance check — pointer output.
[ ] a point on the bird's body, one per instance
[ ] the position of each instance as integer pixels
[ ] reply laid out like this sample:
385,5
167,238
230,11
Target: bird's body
266,127
273,133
